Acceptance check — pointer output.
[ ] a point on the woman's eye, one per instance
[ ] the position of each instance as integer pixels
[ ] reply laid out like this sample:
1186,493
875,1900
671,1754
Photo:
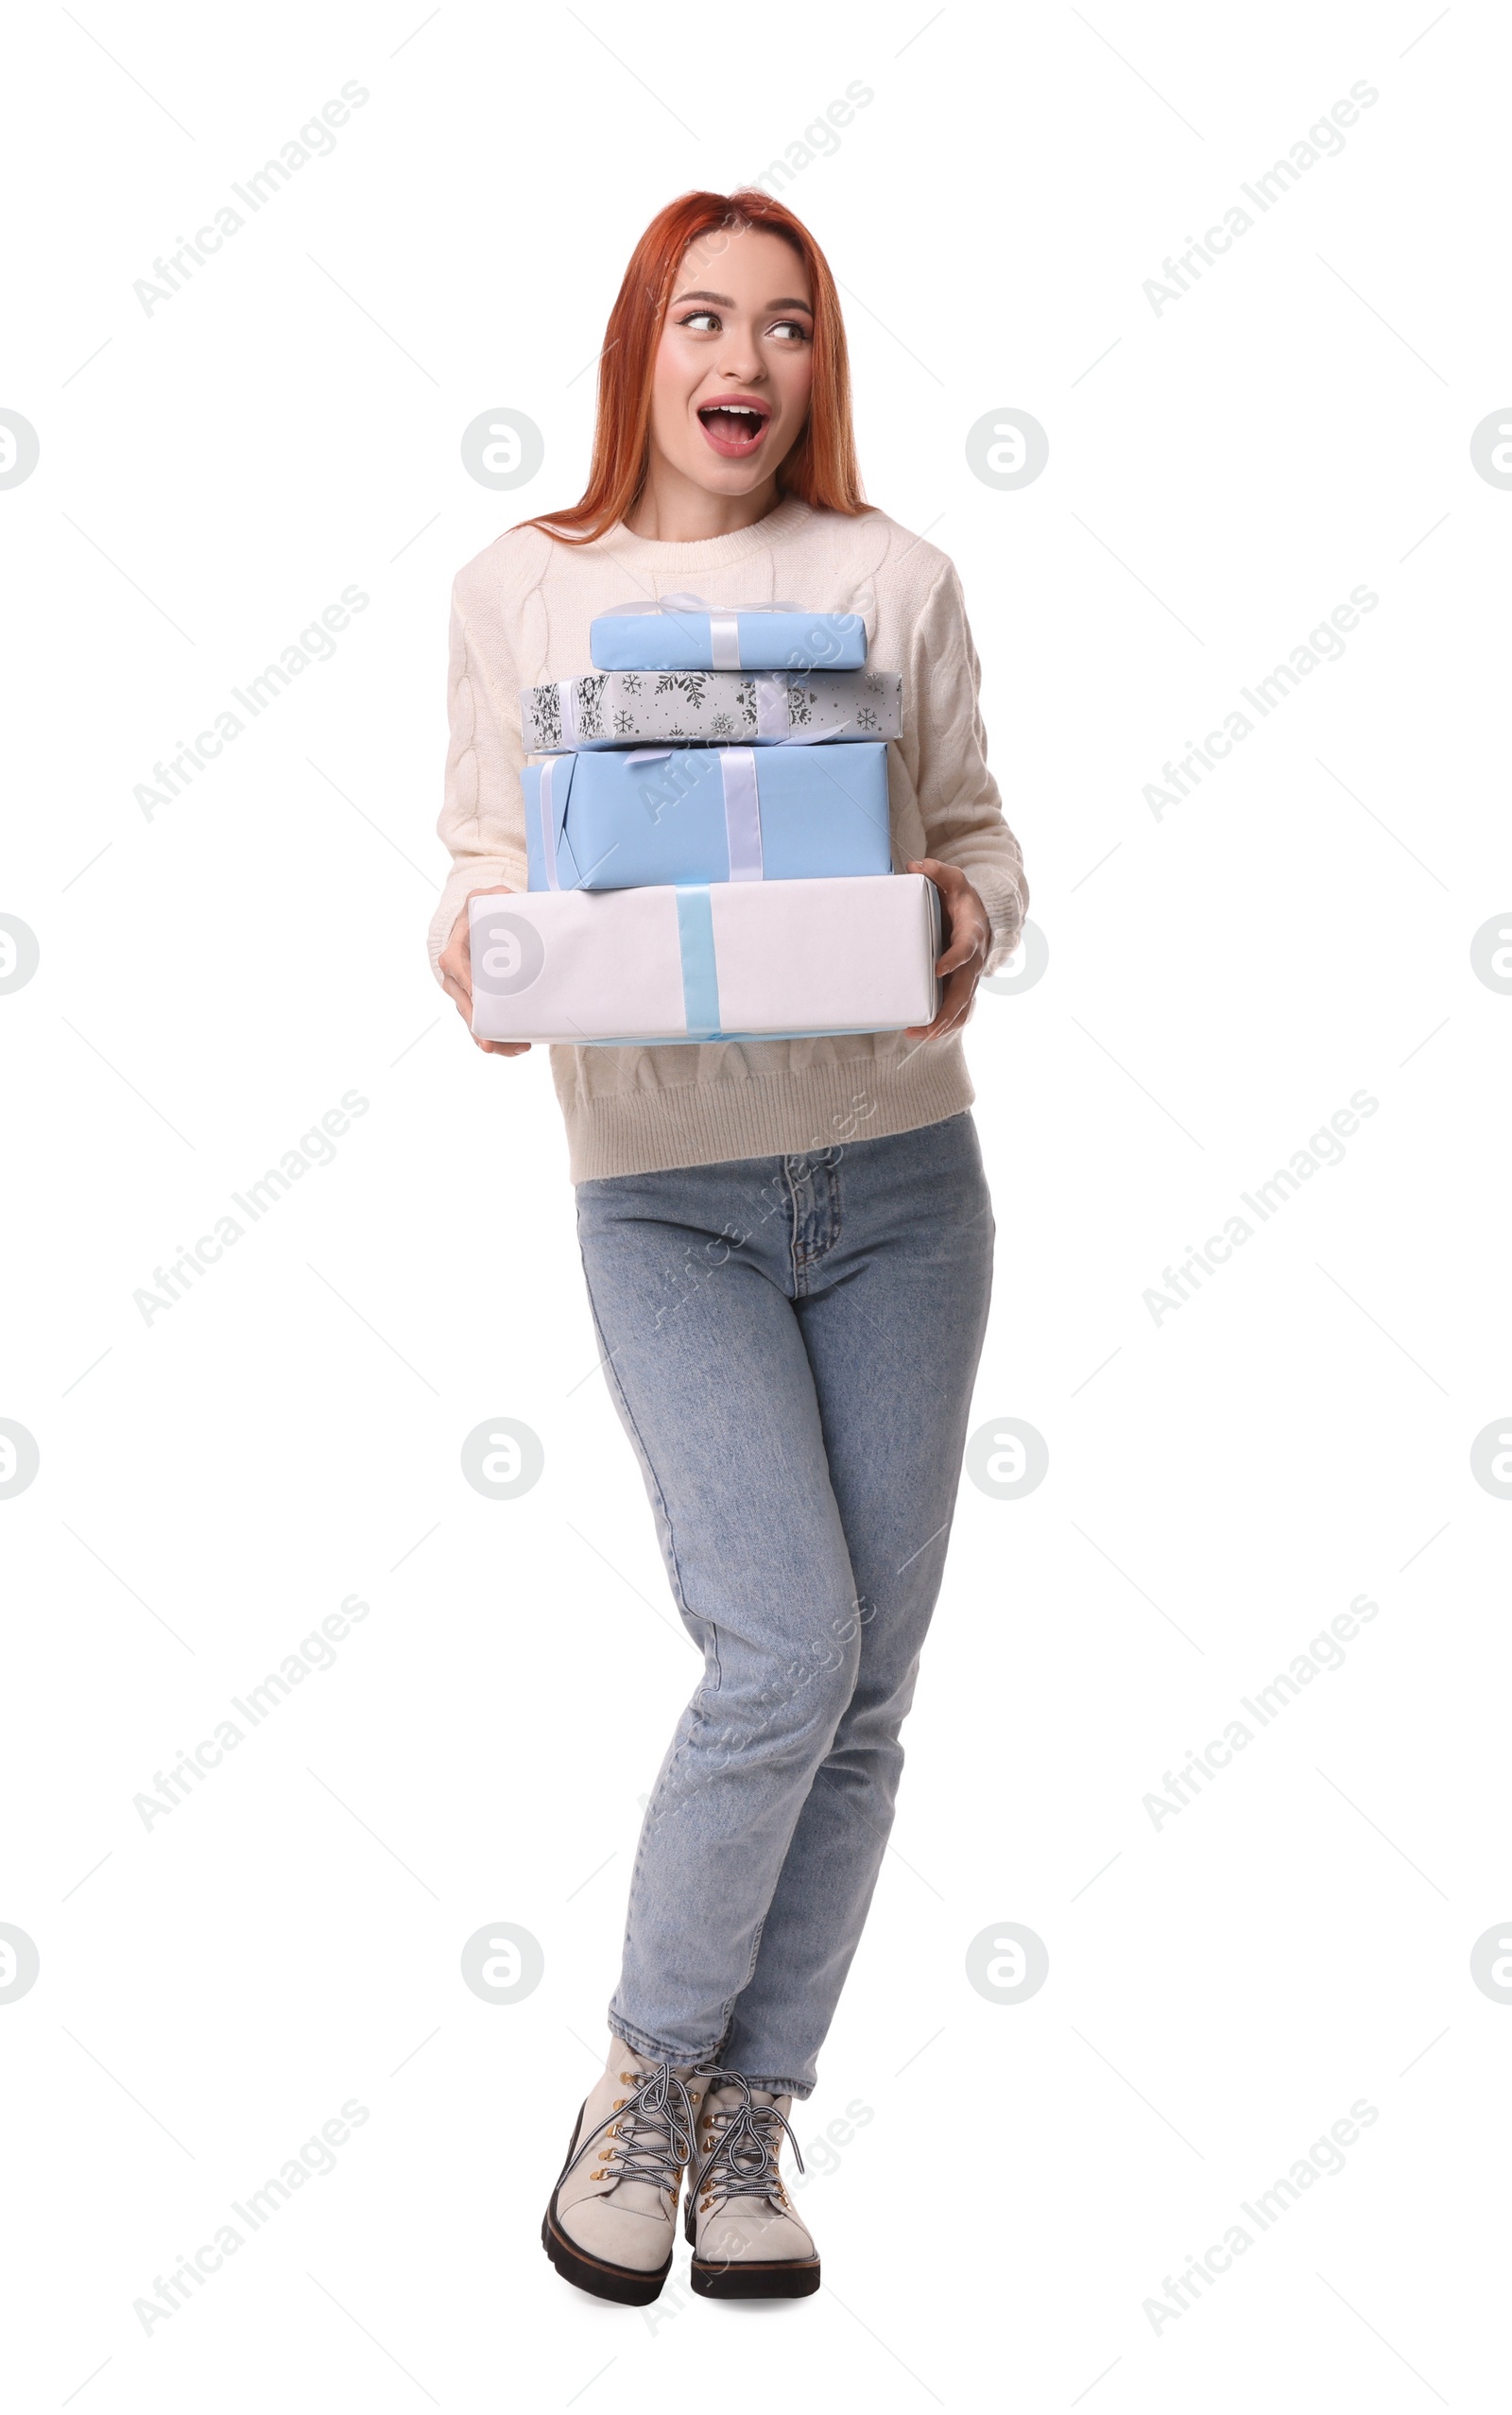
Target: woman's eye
708,322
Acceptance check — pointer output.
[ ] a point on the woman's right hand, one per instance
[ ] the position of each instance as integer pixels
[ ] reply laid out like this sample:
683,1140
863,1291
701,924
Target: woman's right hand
456,974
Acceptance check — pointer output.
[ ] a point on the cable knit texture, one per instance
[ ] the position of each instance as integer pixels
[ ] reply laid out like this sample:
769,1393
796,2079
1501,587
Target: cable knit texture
521,614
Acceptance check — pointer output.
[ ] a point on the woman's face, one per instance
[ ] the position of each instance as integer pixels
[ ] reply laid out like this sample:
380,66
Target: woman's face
735,364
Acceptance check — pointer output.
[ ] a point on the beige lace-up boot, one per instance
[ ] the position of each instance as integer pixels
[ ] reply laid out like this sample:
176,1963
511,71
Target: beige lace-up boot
612,2219
748,2241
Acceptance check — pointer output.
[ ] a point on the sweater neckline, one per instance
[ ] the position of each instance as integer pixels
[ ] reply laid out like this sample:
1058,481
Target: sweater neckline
664,555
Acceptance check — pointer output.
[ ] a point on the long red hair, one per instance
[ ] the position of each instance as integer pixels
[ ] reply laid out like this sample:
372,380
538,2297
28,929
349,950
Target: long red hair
821,468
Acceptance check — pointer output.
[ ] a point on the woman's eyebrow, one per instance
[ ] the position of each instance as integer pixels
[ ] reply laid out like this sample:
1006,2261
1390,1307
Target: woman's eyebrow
727,302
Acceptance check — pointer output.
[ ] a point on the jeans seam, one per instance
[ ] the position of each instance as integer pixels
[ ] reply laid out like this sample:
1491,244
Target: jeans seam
612,1376
832,1184
804,1256
751,1973
696,1712
794,1253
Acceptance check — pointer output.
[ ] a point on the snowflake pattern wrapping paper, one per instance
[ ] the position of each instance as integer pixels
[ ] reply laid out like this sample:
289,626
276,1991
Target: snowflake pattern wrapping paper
710,708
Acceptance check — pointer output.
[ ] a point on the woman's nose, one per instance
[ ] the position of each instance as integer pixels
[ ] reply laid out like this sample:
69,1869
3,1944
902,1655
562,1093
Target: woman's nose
739,359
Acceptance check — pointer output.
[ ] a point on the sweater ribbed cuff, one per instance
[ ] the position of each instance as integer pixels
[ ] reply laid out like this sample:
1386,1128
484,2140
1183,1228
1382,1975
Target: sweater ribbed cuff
459,886
1003,896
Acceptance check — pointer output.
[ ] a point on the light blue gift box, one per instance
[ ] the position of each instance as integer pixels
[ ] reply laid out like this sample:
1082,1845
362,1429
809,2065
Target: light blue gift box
671,815
683,633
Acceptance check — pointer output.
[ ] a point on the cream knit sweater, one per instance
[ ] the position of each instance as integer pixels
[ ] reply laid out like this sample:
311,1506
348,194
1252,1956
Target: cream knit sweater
520,612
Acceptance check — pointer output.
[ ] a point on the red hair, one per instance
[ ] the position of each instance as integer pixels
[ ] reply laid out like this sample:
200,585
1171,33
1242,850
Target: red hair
821,467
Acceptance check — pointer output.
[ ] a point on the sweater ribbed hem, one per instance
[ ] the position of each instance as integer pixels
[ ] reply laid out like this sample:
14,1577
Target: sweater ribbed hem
649,1131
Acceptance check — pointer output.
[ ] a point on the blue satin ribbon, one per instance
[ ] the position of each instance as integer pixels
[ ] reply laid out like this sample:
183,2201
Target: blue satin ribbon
700,978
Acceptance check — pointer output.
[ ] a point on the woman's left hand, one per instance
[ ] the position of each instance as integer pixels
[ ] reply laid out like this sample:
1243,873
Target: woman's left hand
968,938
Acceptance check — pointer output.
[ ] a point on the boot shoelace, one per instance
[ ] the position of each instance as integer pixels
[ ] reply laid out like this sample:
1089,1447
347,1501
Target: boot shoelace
649,2133
743,2161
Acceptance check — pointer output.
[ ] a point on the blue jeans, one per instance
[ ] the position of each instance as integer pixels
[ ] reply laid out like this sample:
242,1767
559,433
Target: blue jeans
792,1343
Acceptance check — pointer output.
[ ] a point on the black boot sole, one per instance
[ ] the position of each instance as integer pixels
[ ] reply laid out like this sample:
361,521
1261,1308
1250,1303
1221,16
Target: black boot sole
799,2279
620,2283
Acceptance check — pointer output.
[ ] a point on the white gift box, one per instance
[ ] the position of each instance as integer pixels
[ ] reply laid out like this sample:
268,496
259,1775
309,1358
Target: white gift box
734,960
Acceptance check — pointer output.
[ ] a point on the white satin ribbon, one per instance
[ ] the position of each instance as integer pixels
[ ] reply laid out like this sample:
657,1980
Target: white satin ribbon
549,770
772,710
743,807
567,696
742,813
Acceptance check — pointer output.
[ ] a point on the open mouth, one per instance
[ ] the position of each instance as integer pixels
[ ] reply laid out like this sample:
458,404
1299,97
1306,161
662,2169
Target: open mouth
733,429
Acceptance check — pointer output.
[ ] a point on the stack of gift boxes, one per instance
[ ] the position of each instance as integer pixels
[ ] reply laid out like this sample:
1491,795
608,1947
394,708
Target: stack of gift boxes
708,841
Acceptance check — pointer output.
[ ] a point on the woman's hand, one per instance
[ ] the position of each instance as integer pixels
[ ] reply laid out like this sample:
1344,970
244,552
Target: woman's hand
968,938
456,974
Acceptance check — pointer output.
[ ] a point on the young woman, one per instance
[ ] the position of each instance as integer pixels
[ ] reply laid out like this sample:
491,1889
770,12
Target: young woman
787,1245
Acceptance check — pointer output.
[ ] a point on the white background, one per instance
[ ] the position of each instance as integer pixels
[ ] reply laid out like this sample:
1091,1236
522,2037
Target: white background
1221,1484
